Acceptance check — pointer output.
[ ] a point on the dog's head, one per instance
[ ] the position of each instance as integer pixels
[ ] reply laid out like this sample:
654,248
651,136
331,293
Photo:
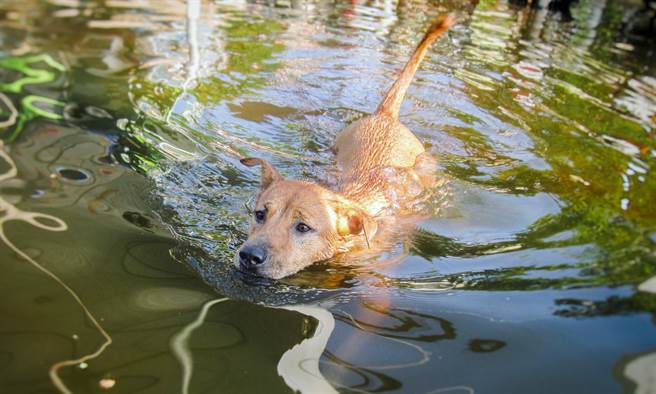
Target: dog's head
295,224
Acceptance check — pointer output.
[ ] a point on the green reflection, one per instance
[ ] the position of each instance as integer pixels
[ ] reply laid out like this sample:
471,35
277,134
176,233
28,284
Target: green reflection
31,106
249,55
599,158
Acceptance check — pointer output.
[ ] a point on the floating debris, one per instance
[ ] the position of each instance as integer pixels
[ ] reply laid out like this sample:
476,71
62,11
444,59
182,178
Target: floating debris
107,383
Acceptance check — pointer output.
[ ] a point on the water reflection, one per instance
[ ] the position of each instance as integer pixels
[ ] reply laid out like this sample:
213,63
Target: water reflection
180,344
299,366
50,223
140,295
637,372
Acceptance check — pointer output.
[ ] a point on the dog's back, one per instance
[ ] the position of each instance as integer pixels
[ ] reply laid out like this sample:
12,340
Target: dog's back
379,141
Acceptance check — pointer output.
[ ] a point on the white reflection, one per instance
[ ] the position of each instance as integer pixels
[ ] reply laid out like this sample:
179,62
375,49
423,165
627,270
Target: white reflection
454,389
642,371
649,285
193,14
299,366
13,113
180,344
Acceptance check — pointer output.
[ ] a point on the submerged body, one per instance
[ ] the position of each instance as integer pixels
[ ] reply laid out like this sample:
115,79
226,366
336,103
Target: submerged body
297,223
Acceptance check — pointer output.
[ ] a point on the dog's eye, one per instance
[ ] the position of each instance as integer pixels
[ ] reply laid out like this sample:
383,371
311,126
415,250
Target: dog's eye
260,215
303,228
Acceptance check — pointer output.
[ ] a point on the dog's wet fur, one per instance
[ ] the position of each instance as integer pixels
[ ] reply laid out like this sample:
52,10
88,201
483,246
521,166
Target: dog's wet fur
297,223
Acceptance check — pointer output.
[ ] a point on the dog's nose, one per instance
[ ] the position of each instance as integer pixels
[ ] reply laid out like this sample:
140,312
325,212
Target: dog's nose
252,256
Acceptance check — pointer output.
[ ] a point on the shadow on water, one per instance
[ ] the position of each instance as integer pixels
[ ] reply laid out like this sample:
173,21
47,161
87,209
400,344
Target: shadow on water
126,122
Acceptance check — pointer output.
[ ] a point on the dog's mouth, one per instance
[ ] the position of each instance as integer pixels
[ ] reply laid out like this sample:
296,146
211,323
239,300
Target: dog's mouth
247,270
253,278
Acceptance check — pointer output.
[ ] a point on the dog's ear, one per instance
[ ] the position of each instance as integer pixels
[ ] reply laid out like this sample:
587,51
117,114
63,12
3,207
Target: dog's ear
269,174
354,221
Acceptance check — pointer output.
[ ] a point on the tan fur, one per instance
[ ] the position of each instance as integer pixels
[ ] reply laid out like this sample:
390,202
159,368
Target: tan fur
369,152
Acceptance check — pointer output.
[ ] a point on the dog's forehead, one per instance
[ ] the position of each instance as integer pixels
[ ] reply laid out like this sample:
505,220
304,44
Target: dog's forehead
298,196
291,189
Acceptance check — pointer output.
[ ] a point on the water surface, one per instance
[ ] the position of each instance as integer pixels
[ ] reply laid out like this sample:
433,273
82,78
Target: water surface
124,122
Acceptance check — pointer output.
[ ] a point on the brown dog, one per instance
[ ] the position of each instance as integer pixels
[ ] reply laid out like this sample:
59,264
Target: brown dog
297,223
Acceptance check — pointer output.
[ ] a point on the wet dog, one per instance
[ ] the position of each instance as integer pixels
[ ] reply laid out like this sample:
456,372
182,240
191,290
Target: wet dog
297,223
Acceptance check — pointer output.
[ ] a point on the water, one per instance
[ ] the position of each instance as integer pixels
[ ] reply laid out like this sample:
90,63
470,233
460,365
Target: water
125,121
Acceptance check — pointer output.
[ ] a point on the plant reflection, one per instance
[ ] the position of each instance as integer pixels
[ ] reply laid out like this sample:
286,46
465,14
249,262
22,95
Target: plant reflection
31,76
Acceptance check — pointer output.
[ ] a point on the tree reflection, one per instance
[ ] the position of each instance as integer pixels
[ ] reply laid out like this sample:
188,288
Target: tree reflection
599,160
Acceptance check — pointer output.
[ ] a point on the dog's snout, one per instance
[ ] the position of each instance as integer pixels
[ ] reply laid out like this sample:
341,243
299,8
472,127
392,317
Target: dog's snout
252,256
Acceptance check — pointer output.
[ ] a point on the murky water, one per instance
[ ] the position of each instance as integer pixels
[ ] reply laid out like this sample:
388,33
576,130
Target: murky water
123,199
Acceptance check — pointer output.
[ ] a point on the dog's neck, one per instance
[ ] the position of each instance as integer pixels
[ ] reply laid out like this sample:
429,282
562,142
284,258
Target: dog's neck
366,189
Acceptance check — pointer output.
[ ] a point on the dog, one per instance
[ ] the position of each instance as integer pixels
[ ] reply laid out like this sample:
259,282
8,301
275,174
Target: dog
297,223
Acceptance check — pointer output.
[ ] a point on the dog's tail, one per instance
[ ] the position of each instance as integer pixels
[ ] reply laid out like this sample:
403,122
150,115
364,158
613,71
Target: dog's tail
391,104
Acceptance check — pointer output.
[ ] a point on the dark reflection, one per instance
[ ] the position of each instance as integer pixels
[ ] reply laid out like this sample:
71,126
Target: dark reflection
138,219
400,324
524,3
563,7
642,21
357,378
514,279
613,305
73,174
485,345
430,245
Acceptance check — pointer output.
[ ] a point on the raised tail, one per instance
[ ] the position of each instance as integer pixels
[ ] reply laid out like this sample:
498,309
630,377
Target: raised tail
391,104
